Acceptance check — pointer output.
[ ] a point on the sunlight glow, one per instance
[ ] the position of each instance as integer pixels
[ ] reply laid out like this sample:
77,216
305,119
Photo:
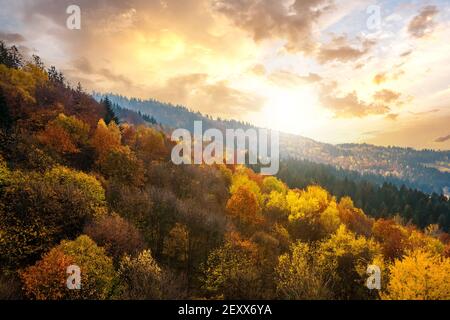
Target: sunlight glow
291,111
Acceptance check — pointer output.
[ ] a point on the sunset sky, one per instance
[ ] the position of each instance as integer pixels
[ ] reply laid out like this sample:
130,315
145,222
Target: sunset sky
320,68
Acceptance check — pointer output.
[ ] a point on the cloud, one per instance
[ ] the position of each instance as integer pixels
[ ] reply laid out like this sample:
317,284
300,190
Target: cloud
218,98
16,39
294,22
370,133
386,96
179,89
349,105
423,23
135,47
82,65
406,53
108,74
286,78
258,69
379,78
268,19
13,38
340,50
416,133
312,77
443,139
392,116
394,74
424,112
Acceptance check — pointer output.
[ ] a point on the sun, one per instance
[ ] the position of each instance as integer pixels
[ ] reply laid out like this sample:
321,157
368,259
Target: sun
291,111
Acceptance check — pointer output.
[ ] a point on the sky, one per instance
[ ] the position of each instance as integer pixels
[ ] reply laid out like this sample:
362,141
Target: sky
332,70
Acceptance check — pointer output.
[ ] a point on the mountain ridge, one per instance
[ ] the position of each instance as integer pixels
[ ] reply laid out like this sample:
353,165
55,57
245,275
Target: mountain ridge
426,170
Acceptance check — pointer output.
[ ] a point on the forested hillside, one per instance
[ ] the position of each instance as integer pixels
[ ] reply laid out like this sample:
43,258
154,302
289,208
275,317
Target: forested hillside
426,170
382,199
78,188
377,195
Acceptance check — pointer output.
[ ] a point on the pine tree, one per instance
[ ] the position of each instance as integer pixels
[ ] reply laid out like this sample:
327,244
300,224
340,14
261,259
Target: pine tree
110,115
55,76
148,118
10,57
5,117
79,88
38,62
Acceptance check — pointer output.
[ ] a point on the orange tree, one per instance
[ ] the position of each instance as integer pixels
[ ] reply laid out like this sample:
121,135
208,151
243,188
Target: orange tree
46,280
244,208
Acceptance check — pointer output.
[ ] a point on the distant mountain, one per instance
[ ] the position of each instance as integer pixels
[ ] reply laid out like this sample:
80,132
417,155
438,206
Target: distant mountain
426,170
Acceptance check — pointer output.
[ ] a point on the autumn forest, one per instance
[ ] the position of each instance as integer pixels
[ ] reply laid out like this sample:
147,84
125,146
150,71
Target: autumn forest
81,186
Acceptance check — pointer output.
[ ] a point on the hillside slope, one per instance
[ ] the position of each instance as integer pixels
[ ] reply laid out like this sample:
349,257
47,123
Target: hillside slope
78,189
414,168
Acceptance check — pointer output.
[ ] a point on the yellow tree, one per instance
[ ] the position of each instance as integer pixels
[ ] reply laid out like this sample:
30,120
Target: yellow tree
276,206
421,275
19,90
122,165
139,277
329,219
21,83
307,203
344,257
270,184
106,138
149,144
299,277
241,179
313,213
231,273
418,240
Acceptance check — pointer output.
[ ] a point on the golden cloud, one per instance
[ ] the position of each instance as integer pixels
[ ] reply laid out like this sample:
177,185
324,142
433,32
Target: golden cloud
422,24
268,19
198,91
386,96
340,50
349,105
